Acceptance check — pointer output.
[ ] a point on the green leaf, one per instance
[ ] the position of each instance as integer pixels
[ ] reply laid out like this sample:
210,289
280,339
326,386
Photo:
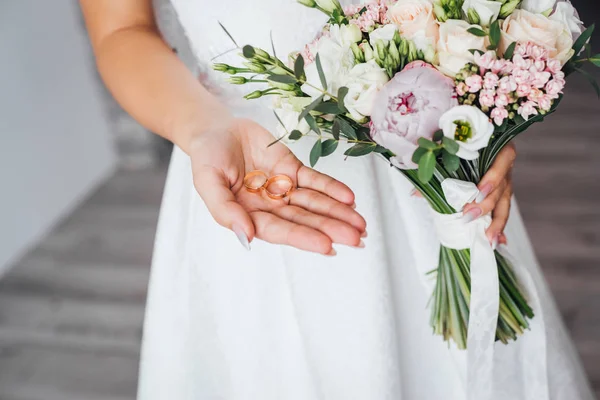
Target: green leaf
316,152
360,149
426,167
295,135
450,145
473,51
495,33
248,51
595,60
381,149
328,107
451,161
583,39
310,120
438,135
273,45
329,146
347,129
282,79
342,92
363,133
492,47
335,130
591,79
229,34
477,32
299,67
419,152
310,107
427,144
510,51
320,71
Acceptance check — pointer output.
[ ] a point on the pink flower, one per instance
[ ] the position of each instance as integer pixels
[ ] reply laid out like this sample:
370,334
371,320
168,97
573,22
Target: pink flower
462,89
487,97
374,14
409,107
474,82
507,84
485,60
545,103
490,80
523,90
527,109
535,95
554,88
538,53
521,63
539,65
499,114
502,100
559,75
553,66
522,76
540,79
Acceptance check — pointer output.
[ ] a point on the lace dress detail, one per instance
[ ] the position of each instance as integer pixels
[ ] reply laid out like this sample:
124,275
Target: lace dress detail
278,323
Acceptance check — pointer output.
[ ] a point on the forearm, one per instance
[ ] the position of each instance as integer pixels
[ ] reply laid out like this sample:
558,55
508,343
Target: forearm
155,87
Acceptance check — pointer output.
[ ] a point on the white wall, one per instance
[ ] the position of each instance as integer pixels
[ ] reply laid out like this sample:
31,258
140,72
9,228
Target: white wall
54,138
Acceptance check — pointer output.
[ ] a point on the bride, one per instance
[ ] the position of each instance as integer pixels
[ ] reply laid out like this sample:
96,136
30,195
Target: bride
317,309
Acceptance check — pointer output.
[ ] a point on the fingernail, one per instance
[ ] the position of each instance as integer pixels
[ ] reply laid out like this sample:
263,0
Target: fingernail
353,205
361,245
485,190
495,242
364,234
331,253
414,192
472,214
242,237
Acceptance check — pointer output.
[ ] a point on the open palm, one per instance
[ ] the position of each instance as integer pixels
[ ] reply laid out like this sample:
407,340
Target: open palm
314,216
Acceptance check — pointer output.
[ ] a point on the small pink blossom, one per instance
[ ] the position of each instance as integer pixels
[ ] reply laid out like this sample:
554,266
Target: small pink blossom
535,95
499,114
540,79
462,89
527,109
502,100
554,88
475,83
490,80
553,66
538,53
545,103
559,76
523,90
374,14
485,60
487,97
522,76
507,84
540,65
521,63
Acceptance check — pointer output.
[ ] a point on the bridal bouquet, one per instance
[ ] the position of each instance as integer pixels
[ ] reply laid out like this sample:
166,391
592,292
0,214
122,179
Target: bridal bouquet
437,88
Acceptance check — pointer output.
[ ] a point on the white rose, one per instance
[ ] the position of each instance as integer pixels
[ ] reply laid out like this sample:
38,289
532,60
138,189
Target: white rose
486,10
567,14
523,26
454,45
416,21
470,127
538,6
385,33
364,83
329,5
288,110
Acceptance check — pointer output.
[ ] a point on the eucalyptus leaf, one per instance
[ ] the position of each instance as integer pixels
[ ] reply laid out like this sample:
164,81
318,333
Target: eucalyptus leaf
451,161
310,120
382,150
347,129
335,130
510,51
316,152
426,167
419,152
290,80
360,149
320,71
583,39
310,107
477,32
427,144
299,67
329,146
450,145
342,93
295,135
328,107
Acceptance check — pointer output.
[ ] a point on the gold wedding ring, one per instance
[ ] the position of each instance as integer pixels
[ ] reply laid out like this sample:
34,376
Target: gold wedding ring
276,187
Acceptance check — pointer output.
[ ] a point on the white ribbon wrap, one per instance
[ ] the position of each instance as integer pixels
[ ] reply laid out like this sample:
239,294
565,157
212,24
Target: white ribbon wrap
455,233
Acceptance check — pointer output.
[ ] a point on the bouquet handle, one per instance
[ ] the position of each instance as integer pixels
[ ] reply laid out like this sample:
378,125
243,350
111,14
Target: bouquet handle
456,233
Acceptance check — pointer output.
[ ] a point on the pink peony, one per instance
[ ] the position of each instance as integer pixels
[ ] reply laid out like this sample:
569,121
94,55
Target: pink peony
409,107
499,114
475,83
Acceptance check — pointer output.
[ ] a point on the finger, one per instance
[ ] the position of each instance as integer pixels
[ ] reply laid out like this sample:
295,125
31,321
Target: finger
499,217
324,205
311,179
502,239
475,210
213,187
276,230
499,171
338,231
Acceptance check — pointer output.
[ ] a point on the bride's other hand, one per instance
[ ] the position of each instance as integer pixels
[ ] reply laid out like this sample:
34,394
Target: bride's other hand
314,216
495,195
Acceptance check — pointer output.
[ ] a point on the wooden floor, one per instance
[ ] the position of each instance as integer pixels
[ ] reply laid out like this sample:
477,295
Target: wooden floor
71,310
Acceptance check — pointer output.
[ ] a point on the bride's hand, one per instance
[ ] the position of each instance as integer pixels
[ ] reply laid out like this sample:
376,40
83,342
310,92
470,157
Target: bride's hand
496,191
317,214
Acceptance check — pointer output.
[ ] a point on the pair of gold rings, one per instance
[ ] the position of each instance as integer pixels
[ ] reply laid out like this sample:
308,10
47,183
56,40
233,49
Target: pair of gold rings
276,187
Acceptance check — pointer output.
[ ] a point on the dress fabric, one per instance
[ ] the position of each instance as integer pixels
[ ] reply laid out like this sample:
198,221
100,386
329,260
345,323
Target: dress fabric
277,323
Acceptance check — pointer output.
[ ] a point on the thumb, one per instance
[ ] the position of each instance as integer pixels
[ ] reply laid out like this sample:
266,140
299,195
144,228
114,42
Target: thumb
213,187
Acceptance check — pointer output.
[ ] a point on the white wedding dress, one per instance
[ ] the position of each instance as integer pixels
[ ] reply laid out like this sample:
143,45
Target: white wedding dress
277,323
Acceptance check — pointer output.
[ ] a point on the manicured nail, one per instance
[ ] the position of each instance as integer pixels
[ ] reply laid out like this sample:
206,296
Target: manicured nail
495,242
364,234
353,205
472,214
485,190
331,253
361,245
241,235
